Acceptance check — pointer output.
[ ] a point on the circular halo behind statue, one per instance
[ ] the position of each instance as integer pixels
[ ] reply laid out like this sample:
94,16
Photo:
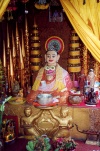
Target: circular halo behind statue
55,43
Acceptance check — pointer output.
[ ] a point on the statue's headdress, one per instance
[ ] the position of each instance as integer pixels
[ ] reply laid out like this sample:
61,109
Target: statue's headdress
54,43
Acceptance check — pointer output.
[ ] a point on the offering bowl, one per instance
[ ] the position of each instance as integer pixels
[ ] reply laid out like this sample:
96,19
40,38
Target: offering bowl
75,99
44,99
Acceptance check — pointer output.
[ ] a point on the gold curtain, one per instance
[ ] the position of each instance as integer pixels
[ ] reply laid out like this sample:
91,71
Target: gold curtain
85,19
3,6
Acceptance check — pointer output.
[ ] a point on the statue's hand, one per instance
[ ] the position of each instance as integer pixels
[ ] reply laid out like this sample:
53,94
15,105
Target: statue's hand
64,97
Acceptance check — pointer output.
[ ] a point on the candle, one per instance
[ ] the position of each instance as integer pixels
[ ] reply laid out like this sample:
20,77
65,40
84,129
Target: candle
17,40
11,70
4,55
22,68
8,76
8,39
13,48
22,78
17,34
23,48
21,59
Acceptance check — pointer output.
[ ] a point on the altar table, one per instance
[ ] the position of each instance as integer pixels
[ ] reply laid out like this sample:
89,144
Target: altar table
80,115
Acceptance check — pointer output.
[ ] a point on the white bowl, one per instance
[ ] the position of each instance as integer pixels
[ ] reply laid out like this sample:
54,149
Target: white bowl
44,99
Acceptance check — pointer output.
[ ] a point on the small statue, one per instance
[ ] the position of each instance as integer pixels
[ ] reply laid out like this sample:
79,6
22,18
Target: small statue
81,81
19,97
27,123
9,133
91,78
15,88
91,98
65,123
20,93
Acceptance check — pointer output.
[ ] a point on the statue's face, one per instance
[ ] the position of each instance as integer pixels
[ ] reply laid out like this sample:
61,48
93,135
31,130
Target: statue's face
28,112
51,58
91,74
64,113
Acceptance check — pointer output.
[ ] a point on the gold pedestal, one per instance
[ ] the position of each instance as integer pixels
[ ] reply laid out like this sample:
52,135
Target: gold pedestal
46,124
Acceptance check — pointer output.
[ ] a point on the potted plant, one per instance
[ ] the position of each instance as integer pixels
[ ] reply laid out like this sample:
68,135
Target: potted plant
41,143
2,106
62,145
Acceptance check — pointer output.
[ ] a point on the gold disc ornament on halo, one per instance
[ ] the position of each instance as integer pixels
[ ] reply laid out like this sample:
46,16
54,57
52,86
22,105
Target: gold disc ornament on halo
56,43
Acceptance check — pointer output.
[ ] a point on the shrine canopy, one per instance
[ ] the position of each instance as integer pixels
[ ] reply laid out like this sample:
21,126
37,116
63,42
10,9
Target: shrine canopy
3,6
85,19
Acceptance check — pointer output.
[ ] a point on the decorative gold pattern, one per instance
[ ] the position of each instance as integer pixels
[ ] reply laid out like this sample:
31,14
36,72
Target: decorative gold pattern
97,70
85,61
26,61
80,116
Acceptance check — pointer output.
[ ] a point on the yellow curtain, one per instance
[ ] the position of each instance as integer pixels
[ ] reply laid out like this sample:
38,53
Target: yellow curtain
85,19
3,6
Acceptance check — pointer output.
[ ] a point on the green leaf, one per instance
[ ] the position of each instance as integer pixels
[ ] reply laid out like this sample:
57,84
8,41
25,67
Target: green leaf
2,106
30,146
